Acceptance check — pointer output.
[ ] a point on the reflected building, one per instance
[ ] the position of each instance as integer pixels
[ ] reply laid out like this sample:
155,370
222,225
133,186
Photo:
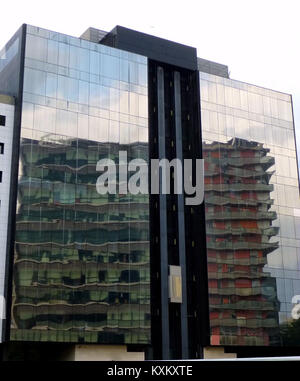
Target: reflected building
149,274
243,298
81,259
248,134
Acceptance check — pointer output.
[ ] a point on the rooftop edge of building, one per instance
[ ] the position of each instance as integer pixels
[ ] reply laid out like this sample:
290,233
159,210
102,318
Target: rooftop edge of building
203,65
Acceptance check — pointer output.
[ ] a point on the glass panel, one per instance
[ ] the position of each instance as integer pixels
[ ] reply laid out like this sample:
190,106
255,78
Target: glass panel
62,87
27,115
52,56
63,54
143,106
36,47
110,67
44,118
124,71
51,85
124,102
143,75
94,62
289,258
134,104
66,123
114,100
83,92
35,81
104,97
133,72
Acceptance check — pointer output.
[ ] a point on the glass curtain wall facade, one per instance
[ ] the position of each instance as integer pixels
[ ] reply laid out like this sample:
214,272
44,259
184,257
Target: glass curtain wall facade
80,270
81,259
252,213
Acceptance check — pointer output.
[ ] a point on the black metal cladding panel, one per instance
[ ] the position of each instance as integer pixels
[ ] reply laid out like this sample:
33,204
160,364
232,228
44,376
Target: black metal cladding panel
155,48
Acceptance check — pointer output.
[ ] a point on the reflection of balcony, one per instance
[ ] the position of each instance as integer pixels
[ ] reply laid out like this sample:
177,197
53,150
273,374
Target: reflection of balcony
239,228
120,246
81,225
259,340
244,215
72,265
265,233
238,187
264,161
238,173
230,259
247,323
122,206
245,305
221,199
92,316
239,291
81,309
232,276
242,246
96,289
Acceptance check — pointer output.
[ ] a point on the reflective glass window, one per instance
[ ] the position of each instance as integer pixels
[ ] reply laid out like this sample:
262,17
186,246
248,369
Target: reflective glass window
78,252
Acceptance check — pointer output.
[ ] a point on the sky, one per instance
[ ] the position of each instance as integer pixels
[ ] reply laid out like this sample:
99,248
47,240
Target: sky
258,40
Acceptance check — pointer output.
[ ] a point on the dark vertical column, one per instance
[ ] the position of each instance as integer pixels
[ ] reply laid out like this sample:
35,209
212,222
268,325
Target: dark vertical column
181,221
163,219
15,79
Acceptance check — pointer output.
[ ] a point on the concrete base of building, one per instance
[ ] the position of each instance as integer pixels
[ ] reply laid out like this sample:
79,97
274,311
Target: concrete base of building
217,353
101,353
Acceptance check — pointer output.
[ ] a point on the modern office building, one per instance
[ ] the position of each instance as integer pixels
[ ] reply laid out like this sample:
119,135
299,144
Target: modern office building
85,275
